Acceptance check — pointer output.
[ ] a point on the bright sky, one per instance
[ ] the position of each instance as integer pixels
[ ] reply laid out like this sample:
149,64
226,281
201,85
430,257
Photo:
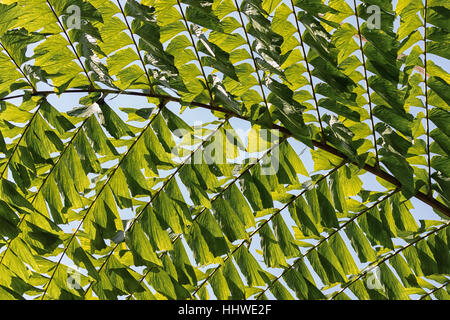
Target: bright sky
68,101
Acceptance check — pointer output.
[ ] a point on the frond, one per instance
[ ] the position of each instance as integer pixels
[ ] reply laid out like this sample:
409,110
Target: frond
110,188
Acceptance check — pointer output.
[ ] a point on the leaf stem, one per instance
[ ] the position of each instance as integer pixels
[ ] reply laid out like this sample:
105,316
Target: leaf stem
366,79
41,186
251,53
96,198
313,91
426,198
137,47
70,43
20,140
293,198
18,67
214,199
446,283
157,193
326,238
430,190
196,52
389,256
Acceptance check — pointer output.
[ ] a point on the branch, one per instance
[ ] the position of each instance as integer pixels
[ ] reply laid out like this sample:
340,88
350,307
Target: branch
389,257
366,79
251,53
137,47
157,193
41,186
96,198
18,67
428,199
70,43
196,52
446,283
308,70
293,198
325,239
214,199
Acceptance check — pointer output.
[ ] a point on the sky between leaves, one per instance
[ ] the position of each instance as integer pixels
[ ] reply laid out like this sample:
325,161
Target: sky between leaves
67,102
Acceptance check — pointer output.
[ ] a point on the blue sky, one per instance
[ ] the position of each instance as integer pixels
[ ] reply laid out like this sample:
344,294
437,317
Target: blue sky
68,101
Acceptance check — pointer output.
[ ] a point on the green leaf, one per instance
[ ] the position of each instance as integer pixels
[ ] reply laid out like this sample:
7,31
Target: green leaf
401,170
99,109
304,218
371,224
228,220
249,267
273,256
302,286
398,120
237,201
440,118
234,280
158,237
9,221
360,243
140,246
284,237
